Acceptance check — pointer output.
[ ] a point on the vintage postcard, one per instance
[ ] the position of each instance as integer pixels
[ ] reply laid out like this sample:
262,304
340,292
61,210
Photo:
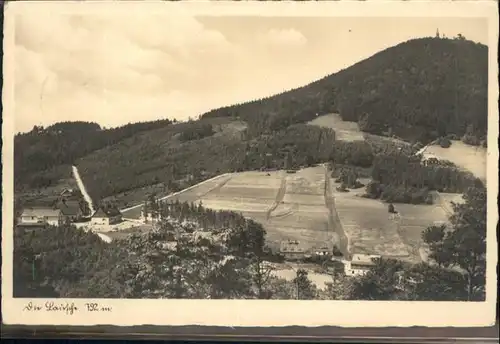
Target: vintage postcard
250,163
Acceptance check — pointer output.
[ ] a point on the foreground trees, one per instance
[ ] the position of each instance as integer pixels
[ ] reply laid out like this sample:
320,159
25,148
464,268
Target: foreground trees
457,267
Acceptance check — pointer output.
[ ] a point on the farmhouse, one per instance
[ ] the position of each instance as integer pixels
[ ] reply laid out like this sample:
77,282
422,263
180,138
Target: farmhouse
106,217
360,264
41,215
292,249
70,210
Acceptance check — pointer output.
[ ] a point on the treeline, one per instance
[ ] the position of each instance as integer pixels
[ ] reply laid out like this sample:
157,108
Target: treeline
405,179
160,159
419,90
196,131
39,153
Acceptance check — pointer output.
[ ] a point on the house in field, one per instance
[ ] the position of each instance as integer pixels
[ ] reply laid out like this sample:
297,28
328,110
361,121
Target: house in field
292,249
106,217
360,264
40,216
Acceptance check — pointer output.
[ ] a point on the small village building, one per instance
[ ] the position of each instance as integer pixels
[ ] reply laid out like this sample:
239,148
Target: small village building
41,216
70,210
323,252
106,217
360,264
292,249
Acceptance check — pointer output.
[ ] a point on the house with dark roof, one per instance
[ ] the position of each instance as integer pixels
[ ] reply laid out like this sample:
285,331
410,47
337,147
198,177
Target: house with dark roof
70,210
41,216
108,216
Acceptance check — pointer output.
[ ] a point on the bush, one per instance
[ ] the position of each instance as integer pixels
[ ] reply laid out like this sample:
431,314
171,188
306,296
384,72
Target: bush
471,140
444,142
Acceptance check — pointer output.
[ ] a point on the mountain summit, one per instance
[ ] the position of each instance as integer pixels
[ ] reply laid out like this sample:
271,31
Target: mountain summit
419,90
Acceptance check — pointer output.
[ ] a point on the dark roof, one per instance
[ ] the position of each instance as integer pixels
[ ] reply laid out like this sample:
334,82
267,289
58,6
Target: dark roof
100,213
106,213
70,208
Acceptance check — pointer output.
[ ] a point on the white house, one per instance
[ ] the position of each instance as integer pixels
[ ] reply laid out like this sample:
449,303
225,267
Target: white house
41,216
360,264
107,217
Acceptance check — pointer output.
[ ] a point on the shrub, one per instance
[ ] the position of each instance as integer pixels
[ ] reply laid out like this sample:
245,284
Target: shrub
444,142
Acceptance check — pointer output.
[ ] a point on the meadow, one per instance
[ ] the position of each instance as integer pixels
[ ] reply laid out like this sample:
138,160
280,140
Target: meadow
344,131
289,206
471,158
371,229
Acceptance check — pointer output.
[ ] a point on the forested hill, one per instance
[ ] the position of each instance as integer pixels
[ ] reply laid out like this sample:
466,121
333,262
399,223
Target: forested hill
47,149
419,90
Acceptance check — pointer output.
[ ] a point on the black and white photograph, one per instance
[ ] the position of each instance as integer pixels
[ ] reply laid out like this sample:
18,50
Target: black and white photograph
204,155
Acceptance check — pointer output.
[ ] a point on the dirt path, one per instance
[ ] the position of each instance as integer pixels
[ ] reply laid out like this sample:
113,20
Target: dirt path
184,190
279,196
83,190
339,237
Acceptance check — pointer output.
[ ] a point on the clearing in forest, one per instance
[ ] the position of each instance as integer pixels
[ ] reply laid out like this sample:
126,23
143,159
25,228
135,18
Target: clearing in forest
470,158
344,131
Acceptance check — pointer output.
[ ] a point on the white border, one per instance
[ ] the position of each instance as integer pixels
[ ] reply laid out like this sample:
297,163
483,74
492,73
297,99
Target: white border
254,312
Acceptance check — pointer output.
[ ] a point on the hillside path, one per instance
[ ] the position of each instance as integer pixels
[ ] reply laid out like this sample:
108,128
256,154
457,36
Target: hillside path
279,196
339,237
83,190
187,189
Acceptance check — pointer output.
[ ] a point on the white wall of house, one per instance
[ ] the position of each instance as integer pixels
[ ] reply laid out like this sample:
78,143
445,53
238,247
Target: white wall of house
354,270
99,221
51,220
29,219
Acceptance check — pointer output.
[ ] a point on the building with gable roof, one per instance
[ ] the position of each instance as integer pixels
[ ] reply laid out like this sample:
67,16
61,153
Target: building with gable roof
41,216
106,217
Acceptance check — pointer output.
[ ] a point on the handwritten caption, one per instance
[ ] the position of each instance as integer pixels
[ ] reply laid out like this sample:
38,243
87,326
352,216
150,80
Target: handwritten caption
68,308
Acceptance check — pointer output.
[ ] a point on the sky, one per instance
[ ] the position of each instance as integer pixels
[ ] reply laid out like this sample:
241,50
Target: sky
117,68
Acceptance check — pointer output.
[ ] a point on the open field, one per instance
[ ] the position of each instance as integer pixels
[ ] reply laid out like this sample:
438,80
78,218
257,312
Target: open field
344,131
372,230
302,214
289,206
246,192
471,158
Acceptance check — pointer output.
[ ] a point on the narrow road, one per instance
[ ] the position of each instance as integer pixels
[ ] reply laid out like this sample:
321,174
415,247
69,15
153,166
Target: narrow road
83,190
339,237
184,190
279,196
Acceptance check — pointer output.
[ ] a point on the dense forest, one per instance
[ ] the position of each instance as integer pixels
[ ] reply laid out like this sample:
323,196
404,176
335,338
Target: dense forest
418,90
40,153
195,252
